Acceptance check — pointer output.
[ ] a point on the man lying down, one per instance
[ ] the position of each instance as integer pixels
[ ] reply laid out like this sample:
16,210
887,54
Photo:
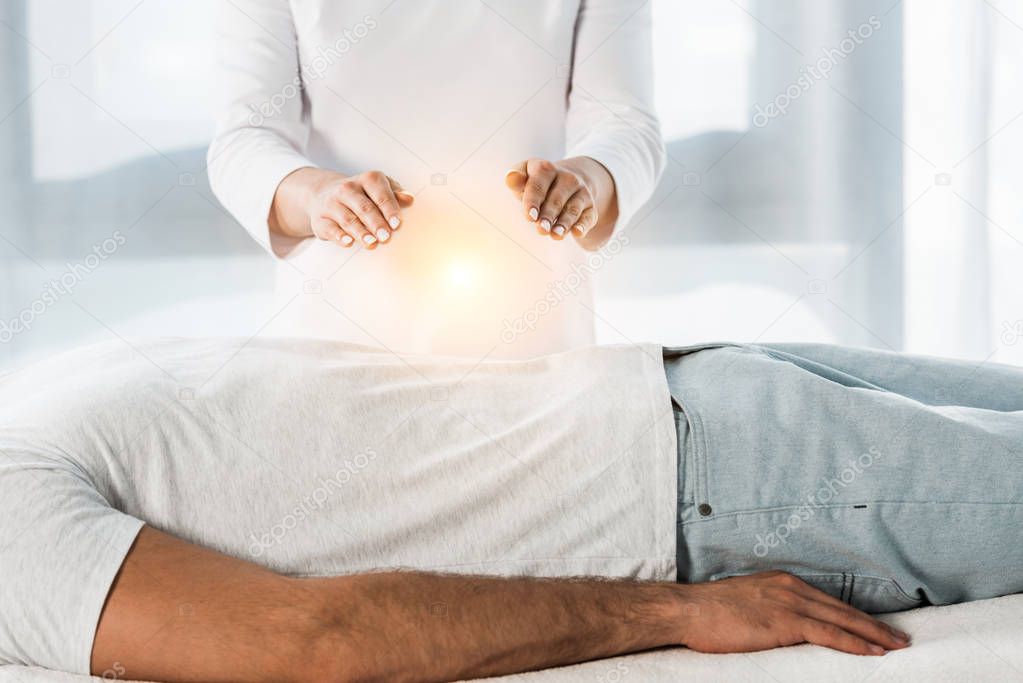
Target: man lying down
281,510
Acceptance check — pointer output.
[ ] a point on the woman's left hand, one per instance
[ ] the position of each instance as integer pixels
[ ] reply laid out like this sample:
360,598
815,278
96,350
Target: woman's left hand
563,196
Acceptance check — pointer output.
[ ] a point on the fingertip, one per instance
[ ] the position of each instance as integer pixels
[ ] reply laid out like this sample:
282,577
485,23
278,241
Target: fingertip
534,213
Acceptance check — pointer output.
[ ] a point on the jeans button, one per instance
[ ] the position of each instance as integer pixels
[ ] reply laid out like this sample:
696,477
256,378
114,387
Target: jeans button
704,510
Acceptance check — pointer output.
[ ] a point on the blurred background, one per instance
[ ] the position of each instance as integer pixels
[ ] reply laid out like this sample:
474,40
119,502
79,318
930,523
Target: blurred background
843,171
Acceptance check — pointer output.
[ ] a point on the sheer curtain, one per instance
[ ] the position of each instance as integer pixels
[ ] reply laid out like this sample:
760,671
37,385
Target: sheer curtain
109,227
963,139
881,208
779,217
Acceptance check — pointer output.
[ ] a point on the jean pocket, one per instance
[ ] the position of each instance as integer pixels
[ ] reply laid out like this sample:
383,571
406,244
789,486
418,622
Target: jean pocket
872,594
684,455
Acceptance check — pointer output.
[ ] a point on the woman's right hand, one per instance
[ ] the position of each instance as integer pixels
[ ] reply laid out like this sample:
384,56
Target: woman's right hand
338,208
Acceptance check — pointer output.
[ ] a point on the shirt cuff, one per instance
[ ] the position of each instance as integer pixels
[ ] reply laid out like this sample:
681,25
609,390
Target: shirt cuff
252,188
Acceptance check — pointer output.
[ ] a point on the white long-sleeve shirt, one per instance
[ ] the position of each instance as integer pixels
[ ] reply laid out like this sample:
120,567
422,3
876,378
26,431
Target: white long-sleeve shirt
443,96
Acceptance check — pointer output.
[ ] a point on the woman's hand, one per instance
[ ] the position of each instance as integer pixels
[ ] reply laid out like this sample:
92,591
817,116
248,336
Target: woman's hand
574,195
337,208
774,609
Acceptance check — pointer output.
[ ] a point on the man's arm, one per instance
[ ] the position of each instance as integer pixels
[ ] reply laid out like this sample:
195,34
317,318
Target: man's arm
178,612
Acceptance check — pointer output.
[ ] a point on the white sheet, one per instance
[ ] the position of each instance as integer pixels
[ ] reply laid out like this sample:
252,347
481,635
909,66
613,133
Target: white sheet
979,641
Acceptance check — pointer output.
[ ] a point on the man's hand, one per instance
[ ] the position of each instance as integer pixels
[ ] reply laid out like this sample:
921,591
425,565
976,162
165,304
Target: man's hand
773,609
337,208
574,195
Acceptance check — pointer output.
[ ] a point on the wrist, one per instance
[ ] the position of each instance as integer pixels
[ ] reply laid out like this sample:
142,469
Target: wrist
684,610
662,611
291,212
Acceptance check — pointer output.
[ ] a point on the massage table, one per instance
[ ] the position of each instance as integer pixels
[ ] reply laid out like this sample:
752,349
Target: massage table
978,641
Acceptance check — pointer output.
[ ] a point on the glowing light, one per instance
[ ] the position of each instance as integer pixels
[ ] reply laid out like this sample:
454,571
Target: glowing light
460,275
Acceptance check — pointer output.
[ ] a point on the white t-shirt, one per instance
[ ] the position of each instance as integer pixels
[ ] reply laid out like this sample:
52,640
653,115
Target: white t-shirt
444,97
322,458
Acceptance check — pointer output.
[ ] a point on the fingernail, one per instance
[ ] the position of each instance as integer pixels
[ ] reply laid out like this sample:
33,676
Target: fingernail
383,235
394,222
878,650
369,239
559,231
546,225
534,214
347,240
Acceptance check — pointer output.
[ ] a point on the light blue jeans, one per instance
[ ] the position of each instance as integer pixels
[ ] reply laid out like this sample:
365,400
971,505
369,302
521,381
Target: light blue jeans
887,480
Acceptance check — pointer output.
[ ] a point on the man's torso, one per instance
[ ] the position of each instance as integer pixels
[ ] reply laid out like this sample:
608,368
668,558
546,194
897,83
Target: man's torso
322,458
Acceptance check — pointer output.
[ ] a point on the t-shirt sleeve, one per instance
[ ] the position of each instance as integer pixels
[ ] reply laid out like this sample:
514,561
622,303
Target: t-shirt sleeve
61,547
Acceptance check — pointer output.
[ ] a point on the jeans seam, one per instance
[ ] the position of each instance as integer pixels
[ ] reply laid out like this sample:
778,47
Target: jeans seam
853,504
697,471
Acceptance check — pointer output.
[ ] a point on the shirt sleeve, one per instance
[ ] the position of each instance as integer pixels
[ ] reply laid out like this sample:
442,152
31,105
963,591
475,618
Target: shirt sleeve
61,547
610,108
262,129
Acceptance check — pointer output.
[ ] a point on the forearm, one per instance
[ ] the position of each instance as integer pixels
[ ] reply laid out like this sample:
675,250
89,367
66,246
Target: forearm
423,627
179,612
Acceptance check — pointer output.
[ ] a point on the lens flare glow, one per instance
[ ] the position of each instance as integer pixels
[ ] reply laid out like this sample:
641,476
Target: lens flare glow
460,275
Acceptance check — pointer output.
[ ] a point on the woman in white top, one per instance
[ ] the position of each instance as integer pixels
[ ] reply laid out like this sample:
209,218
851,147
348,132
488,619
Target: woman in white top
432,174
